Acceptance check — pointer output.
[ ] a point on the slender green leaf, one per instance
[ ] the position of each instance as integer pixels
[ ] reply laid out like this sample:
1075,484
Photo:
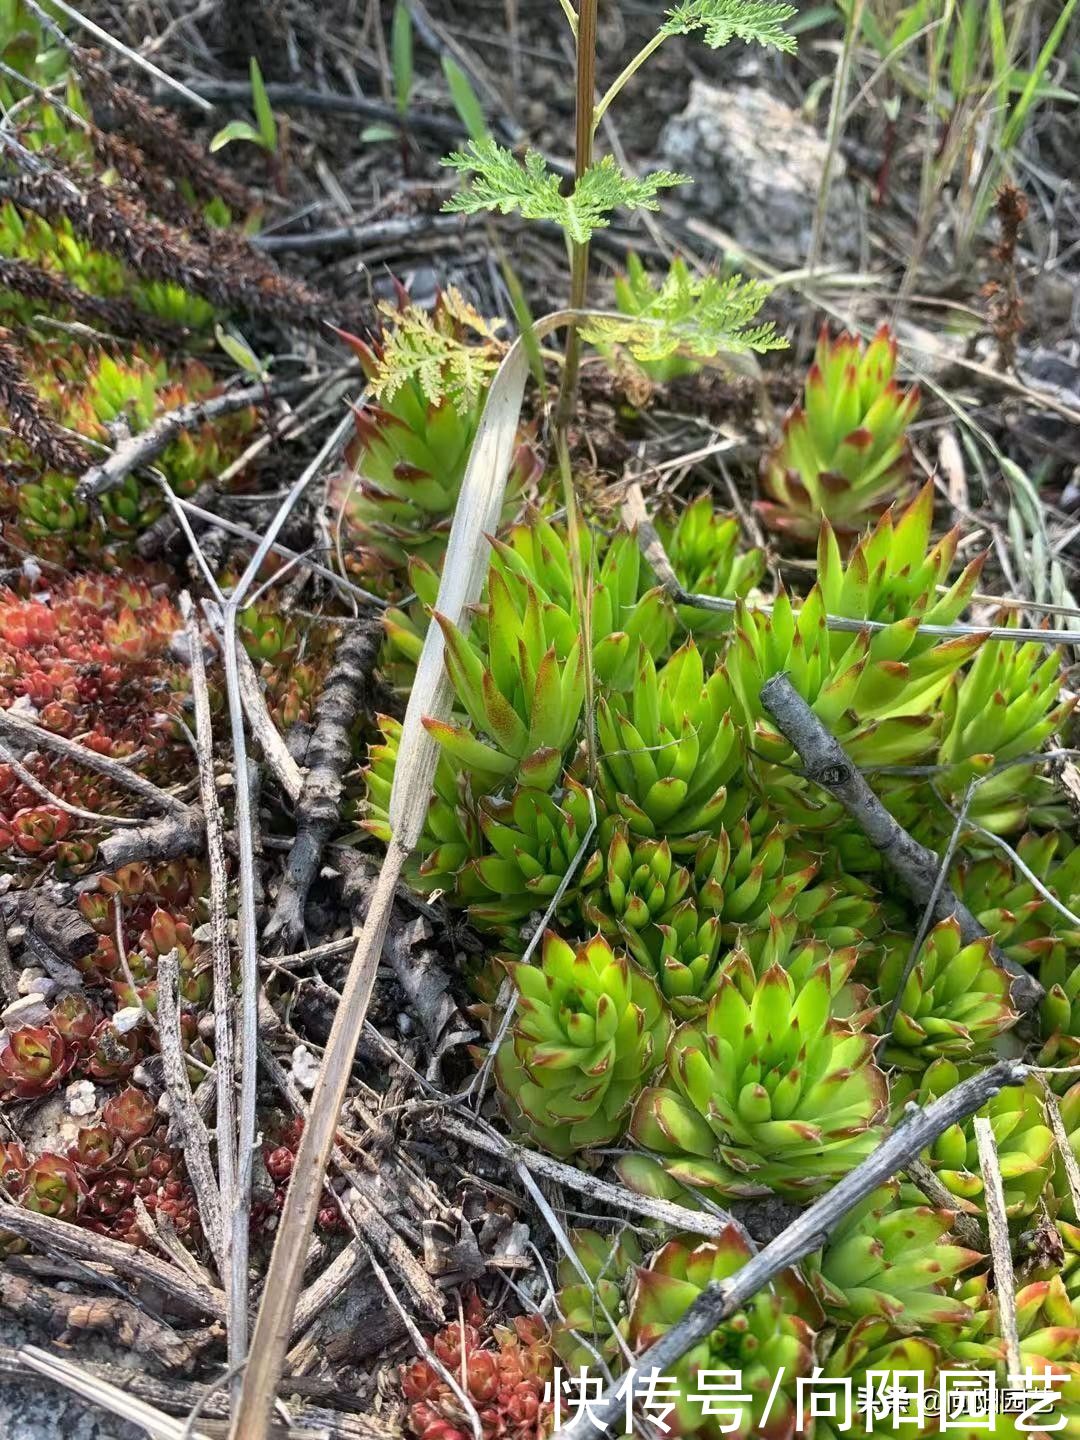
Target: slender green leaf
465,99
264,114
235,130
239,351
1014,127
812,18
401,56
371,133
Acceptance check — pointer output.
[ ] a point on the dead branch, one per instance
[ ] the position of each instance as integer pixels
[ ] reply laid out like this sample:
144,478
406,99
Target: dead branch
189,1123
116,316
158,134
167,839
917,868
180,1397
679,1217
965,1227
1000,1244
9,981
329,753
64,1315
304,97
38,738
64,931
139,450
720,1300
60,1238
368,1206
224,1058
423,980
121,225
275,752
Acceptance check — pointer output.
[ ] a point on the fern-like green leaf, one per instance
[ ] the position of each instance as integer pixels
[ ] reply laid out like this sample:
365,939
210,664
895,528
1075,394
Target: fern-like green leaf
724,20
699,317
433,354
529,188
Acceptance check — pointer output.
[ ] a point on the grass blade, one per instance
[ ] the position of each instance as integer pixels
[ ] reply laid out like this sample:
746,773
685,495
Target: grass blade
1014,126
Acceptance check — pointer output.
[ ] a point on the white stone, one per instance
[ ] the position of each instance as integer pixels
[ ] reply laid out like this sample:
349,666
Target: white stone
127,1018
305,1068
81,1098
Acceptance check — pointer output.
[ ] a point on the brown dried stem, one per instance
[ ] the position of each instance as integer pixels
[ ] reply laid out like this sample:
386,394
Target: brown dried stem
30,422
917,868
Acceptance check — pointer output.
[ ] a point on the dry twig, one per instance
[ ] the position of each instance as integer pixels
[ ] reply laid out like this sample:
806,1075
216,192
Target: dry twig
189,1123
917,868
29,420
1000,1244
138,450
60,1238
329,753
719,1301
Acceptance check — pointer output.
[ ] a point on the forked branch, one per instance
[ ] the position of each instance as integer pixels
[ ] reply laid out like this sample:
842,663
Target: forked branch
721,1300
916,867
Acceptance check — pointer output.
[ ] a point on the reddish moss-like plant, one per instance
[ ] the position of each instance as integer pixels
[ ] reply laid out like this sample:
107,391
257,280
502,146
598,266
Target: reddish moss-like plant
503,1370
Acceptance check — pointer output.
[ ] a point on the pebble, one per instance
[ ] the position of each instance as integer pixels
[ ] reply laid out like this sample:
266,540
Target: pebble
28,1010
305,1068
81,1098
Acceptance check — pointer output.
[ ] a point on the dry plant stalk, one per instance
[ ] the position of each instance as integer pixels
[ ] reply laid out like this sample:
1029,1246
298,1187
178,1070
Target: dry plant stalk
476,515
28,419
158,134
1000,1246
122,226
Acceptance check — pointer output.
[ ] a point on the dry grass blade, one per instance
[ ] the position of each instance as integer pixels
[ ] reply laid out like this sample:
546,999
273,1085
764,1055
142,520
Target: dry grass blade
108,1397
476,515
224,1058
1000,1245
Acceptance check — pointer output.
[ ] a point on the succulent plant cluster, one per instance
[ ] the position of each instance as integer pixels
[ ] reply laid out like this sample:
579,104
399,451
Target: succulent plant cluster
394,499
90,658
843,453
87,392
728,991
105,346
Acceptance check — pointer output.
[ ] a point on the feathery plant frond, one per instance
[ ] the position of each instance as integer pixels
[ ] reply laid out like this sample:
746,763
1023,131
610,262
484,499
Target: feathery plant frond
759,21
699,316
504,183
427,346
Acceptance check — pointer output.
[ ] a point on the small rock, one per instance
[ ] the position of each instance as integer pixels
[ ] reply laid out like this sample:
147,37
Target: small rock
30,981
305,1068
28,1010
81,1098
127,1018
757,167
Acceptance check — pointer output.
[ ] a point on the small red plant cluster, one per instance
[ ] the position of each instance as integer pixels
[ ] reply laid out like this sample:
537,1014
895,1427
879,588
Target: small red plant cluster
110,1166
86,659
112,1150
281,1138
502,1369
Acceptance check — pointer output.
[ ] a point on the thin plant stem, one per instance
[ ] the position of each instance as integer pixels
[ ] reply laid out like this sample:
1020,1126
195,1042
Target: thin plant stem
627,74
579,252
583,589
836,124
579,284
